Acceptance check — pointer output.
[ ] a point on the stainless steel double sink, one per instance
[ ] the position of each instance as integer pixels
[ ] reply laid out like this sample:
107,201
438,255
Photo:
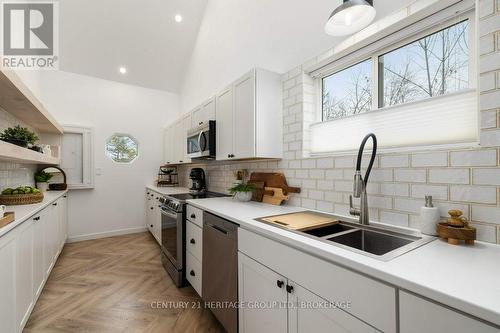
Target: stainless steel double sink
376,242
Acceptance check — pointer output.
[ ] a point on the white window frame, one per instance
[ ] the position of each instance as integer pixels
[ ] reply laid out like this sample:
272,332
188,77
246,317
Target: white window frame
87,134
469,16
394,41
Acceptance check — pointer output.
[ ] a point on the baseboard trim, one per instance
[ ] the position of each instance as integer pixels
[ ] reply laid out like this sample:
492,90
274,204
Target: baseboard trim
106,234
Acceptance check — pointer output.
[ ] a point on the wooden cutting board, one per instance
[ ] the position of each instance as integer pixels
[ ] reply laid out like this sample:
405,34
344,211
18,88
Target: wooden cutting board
7,218
301,221
273,179
276,198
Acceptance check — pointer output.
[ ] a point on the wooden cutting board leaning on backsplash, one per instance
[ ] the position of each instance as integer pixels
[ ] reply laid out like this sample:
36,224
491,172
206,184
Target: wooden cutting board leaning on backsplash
301,221
270,187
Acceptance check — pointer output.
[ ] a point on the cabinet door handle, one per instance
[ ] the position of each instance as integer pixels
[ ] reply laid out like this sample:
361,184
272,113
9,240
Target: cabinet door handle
192,273
151,208
289,289
54,204
228,155
151,225
36,218
192,241
193,216
280,283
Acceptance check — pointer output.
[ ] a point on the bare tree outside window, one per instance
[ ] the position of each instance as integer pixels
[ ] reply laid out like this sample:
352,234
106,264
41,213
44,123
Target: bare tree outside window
122,148
432,66
347,92
435,65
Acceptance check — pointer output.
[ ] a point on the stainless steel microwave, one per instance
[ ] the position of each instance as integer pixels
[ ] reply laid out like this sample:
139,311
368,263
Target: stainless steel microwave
201,141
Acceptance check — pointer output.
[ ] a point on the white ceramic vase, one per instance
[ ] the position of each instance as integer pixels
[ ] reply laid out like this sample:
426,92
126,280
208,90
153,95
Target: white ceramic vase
243,196
43,187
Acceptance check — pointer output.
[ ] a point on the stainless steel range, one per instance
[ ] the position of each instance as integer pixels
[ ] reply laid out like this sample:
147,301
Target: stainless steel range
173,233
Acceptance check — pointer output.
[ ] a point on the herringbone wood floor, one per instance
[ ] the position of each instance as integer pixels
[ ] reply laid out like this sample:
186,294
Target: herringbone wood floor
108,285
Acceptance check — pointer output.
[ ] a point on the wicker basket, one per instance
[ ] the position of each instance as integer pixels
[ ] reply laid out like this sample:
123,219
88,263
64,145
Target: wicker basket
21,199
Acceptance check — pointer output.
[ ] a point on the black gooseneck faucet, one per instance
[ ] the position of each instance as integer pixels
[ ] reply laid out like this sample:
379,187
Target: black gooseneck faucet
360,183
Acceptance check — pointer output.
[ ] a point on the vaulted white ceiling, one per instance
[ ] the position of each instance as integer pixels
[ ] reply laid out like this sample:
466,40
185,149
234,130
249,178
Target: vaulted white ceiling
99,36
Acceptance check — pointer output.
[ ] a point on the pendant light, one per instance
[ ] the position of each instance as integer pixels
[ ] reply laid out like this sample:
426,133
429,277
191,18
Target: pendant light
350,17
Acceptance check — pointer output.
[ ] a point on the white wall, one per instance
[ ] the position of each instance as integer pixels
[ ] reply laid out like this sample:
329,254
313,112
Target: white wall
236,35
117,202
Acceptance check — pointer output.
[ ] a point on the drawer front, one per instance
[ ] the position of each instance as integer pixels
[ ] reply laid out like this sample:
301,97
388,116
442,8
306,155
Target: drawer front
195,215
371,301
193,272
194,238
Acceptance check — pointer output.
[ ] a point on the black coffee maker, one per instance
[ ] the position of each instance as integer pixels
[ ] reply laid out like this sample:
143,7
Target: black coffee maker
198,183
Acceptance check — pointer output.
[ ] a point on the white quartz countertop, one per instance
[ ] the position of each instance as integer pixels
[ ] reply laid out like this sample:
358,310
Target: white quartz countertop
23,212
462,277
168,190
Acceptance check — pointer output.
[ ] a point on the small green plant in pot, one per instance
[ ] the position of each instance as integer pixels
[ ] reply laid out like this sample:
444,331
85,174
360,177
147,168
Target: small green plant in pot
42,180
18,135
242,192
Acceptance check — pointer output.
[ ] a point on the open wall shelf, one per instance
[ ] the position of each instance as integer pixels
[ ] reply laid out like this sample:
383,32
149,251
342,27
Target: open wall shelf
17,99
13,153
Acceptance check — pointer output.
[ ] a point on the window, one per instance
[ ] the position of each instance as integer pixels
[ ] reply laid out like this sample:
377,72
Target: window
434,65
413,88
122,148
347,92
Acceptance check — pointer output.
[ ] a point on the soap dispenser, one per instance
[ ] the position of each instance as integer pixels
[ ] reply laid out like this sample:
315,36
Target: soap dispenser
429,217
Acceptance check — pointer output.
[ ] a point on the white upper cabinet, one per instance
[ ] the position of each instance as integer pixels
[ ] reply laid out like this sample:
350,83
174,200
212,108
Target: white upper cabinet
169,146
224,124
202,114
249,117
244,117
175,142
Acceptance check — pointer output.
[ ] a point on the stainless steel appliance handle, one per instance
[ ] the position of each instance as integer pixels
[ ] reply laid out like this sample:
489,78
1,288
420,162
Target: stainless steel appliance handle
199,140
168,213
219,229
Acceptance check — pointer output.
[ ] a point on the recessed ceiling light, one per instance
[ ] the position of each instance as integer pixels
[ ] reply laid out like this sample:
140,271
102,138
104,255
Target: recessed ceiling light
123,70
178,18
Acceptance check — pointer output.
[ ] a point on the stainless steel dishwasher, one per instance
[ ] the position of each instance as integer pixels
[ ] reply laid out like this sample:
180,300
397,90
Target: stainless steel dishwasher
220,269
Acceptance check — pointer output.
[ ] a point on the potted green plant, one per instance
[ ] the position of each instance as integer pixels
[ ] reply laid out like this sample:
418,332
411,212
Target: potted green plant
18,135
242,192
42,180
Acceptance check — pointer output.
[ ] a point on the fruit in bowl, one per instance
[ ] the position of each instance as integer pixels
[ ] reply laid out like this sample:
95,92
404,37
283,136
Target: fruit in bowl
20,190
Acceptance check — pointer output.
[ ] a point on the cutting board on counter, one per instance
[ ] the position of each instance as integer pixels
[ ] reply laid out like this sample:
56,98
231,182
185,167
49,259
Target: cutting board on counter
301,221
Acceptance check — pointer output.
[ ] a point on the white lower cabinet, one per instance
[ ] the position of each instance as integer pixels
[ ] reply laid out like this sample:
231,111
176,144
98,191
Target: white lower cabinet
418,315
273,303
311,313
370,301
8,284
263,300
153,214
194,254
24,272
27,255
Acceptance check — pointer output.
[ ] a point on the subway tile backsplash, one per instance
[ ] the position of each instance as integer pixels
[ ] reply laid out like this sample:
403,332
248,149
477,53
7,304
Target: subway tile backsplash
14,175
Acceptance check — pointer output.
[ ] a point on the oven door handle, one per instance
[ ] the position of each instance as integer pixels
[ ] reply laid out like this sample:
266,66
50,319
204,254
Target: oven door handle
169,213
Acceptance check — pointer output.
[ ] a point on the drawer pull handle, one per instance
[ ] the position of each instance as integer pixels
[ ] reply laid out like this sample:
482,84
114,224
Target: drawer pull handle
36,218
280,284
193,216
192,273
151,225
192,241
289,289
